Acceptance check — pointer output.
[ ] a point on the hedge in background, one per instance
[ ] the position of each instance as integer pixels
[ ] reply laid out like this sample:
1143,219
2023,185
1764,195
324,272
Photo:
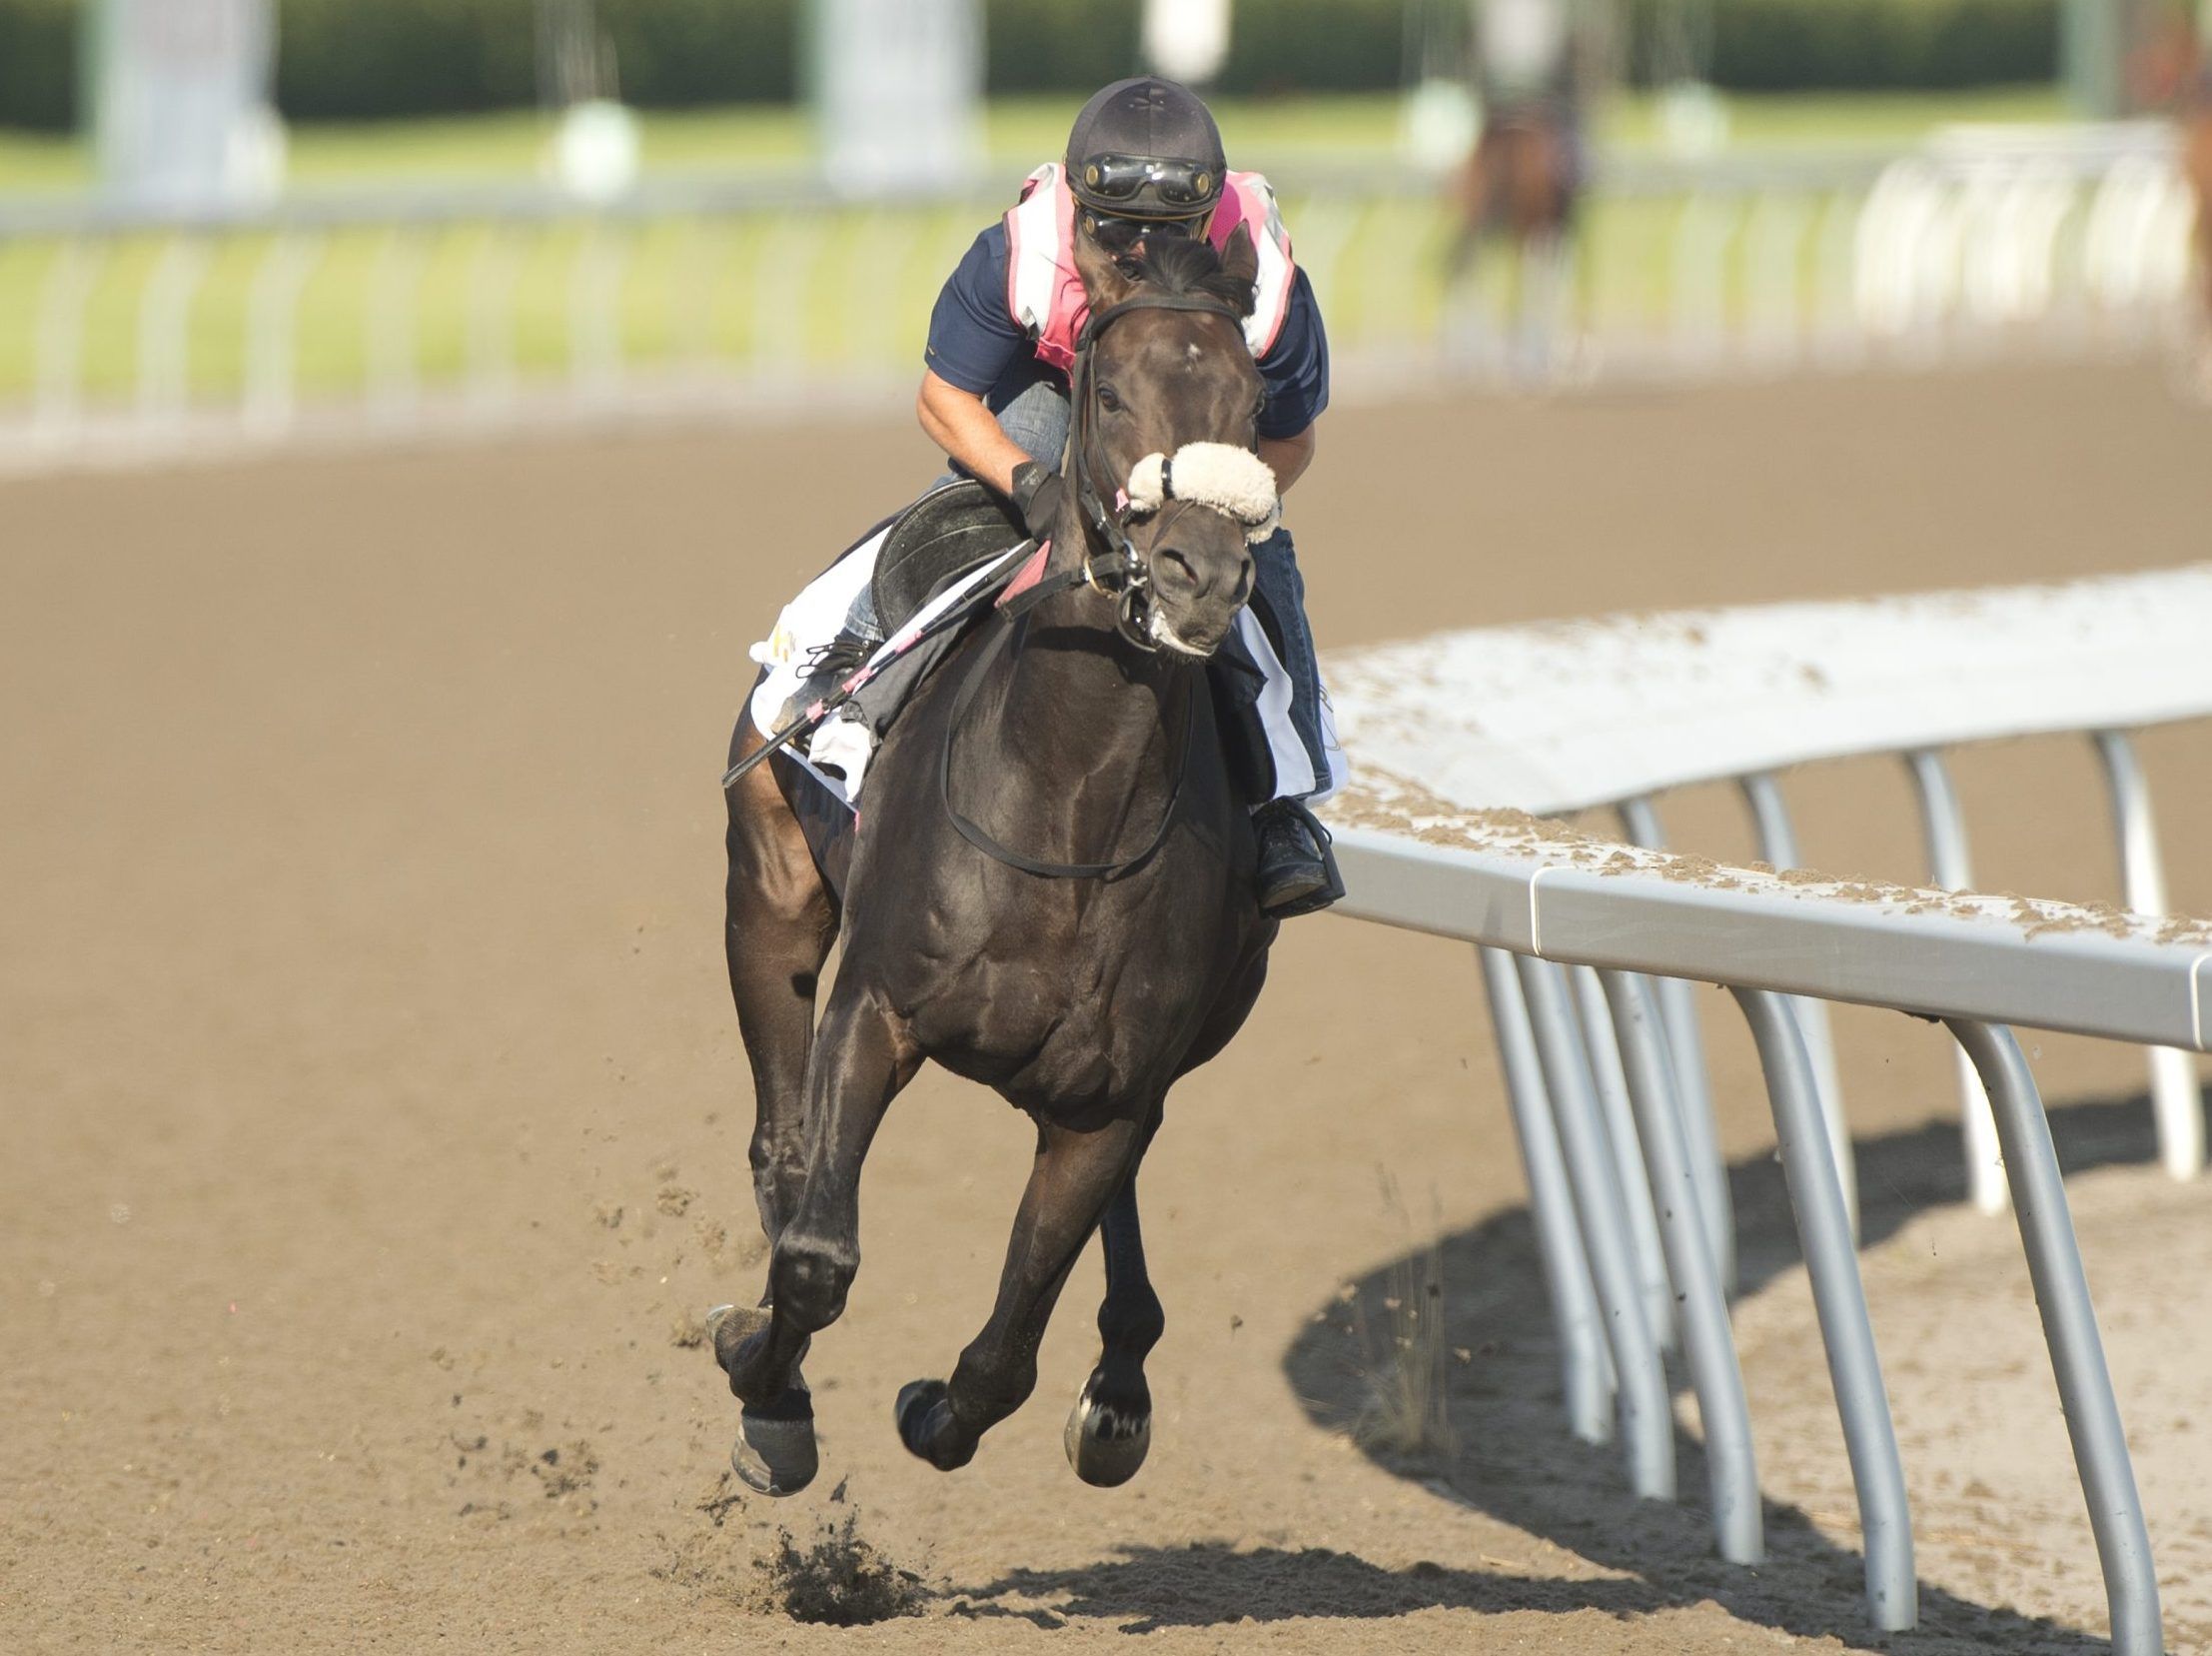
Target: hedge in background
362,59
1875,45
38,64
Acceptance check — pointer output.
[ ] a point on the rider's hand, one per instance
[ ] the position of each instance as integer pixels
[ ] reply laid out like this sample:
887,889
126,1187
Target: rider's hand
1037,495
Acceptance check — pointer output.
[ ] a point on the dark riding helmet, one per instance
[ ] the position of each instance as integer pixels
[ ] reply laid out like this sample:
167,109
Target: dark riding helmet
1146,152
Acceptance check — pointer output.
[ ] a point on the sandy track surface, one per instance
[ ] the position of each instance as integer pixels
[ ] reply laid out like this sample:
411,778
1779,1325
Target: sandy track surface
376,1120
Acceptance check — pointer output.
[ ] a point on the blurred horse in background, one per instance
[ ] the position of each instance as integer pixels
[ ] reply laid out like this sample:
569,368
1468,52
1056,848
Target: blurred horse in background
2172,70
1523,178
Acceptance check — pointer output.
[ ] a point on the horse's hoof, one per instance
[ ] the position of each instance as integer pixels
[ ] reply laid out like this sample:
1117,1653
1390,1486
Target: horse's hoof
1105,1444
911,1412
925,1430
775,1453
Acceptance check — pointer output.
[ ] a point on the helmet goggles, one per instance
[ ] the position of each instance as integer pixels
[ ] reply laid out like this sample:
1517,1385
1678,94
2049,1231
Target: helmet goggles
1146,187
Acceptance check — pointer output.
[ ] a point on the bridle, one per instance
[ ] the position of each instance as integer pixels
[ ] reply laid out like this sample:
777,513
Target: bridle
1119,571
1111,564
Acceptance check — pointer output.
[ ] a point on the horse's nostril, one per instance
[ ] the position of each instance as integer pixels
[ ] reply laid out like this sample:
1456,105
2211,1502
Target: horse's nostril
1244,580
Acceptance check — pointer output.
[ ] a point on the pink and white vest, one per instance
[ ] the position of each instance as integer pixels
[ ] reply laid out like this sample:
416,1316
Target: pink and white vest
1045,295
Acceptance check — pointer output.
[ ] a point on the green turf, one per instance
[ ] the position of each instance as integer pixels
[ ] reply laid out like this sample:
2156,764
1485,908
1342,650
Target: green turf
785,295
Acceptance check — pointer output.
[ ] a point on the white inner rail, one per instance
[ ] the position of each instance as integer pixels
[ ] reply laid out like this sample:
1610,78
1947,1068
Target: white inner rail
1611,712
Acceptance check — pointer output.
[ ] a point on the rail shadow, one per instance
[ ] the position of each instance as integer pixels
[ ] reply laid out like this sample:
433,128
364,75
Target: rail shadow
1517,1462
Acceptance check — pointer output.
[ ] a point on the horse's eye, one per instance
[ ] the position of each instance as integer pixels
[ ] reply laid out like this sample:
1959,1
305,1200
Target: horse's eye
1109,399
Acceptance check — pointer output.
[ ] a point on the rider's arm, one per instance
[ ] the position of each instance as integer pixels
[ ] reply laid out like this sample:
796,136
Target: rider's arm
972,342
1288,457
958,423
1295,369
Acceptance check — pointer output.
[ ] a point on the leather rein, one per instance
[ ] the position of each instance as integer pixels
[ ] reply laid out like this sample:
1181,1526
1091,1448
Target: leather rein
1118,571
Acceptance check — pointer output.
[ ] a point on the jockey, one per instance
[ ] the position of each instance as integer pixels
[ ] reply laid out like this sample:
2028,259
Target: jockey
1144,159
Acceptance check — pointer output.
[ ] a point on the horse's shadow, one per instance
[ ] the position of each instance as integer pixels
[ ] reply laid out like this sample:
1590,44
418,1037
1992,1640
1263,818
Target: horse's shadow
1210,1583
1518,1464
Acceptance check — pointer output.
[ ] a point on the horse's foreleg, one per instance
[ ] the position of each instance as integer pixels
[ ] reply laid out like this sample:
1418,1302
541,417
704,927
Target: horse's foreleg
1110,1428
862,1058
1075,1177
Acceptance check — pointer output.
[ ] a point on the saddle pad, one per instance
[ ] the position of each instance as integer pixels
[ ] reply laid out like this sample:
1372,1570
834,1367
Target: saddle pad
840,750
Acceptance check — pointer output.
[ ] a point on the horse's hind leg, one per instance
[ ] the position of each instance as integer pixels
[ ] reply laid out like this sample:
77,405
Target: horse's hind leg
1075,1177
1110,1428
779,923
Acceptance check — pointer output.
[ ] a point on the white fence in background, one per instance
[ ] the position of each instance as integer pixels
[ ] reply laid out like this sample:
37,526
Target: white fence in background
1456,739
460,308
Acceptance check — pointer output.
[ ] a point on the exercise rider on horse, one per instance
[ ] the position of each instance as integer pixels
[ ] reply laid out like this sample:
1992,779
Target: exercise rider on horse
1144,160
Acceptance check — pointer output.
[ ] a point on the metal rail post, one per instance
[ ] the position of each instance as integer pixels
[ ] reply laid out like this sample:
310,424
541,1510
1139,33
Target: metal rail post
164,332
2176,1100
2071,1328
1585,1370
1646,1421
596,313
1777,842
390,324
1617,1112
58,397
1839,1298
1731,1471
1686,1048
272,309
1944,826
489,353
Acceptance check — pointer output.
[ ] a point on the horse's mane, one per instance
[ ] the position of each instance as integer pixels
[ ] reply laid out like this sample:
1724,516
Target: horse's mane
1186,266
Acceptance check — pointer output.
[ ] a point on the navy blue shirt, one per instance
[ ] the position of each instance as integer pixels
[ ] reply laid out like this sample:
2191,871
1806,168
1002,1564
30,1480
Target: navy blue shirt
975,339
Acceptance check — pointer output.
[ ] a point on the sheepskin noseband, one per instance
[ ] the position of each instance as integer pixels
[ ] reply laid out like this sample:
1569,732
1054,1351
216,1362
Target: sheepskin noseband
1220,475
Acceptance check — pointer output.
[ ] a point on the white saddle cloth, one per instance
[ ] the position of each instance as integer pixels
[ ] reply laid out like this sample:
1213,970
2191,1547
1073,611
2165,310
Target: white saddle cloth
838,753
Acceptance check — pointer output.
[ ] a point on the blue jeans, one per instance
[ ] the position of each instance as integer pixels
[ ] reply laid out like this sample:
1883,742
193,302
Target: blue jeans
1031,405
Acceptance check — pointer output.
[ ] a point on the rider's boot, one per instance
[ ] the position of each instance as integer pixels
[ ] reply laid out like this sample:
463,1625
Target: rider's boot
1297,875
827,671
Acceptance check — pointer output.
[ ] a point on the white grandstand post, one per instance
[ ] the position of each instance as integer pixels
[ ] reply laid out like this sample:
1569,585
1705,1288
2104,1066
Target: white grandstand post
389,323
1646,1421
1586,1366
165,331
271,313
2071,1328
1944,826
1732,1470
1839,1300
1618,1111
1778,844
58,375
2177,1103
1686,1047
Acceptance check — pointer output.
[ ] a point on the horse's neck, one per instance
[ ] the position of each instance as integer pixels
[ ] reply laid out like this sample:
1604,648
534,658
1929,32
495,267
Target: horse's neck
1079,725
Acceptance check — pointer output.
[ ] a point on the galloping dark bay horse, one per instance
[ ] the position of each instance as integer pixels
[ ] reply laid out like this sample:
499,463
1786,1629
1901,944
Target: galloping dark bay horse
1082,736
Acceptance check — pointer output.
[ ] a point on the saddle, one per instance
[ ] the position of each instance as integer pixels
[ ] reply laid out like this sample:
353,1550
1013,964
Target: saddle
954,529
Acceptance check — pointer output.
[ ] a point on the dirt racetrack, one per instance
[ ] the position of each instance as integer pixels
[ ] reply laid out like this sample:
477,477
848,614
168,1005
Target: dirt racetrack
374,1119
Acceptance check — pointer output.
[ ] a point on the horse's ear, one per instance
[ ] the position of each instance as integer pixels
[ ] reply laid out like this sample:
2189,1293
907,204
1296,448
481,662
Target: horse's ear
1108,278
1240,261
